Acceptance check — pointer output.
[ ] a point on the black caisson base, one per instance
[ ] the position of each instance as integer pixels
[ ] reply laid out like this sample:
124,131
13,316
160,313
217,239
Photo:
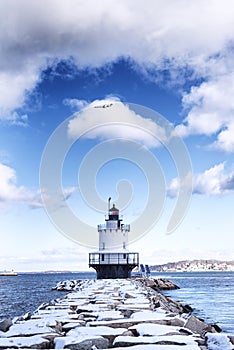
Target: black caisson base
113,271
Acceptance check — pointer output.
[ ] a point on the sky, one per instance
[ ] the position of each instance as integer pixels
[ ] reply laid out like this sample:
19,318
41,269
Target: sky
126,99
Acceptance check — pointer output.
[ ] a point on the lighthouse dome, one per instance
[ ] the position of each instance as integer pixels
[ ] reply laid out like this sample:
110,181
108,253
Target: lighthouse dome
114,210
113,213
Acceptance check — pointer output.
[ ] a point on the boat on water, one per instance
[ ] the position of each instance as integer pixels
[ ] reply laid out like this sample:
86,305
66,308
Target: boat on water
8,273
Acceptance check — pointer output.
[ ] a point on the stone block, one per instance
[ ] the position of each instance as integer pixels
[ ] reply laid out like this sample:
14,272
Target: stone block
197,326
81,343
5,324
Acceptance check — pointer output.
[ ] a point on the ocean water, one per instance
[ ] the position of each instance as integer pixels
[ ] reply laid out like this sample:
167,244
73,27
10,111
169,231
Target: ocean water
211,294
27,291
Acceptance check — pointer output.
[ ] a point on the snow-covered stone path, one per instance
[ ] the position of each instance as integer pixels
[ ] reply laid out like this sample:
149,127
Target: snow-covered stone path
103,314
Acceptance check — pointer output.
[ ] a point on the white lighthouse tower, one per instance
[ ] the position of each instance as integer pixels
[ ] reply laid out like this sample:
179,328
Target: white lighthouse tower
113,260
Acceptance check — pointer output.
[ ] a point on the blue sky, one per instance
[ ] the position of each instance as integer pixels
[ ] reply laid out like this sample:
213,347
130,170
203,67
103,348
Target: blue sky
60,61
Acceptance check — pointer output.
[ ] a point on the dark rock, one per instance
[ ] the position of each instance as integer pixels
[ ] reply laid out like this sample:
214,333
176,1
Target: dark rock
151,283
201,319
185,331
59,327
5,324
50,337
170,342
217,328
209,329
128,296
160,284
83,310
187,309
172,314
200,342
126,312
157,304
43,306
165,284
171,305
25,317
89,319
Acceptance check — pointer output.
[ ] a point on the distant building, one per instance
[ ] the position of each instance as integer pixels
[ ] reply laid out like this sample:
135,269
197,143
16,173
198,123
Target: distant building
113,260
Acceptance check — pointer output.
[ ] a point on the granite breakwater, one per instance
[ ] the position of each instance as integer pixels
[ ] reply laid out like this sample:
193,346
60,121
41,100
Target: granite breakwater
120,314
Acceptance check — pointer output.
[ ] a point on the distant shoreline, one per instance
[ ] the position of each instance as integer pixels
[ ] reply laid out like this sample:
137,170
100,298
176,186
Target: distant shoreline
209,265
195,266
94,274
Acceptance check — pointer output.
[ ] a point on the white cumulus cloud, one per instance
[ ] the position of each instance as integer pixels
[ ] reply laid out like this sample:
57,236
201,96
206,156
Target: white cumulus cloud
75,103
9,190
11,193
211,111
214,181
54,201
111,119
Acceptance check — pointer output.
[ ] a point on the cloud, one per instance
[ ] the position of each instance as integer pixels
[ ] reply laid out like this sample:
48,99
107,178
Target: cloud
72,258
55,201
9,191
211,181
110,118
15,86
214,181
229,183
178,37
66,254
75,103
211,112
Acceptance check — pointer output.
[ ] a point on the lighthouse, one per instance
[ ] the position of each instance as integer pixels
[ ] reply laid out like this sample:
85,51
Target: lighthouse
113,259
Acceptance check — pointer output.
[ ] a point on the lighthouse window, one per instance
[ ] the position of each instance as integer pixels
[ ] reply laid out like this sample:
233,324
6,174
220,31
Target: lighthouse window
103,245
103,257
124,245
124,256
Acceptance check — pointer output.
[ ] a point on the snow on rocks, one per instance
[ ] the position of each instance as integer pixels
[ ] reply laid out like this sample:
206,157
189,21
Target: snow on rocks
83,342
33,342
68,286
104,314
160,340
151,329
101,330
30,327
218,341
159,347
